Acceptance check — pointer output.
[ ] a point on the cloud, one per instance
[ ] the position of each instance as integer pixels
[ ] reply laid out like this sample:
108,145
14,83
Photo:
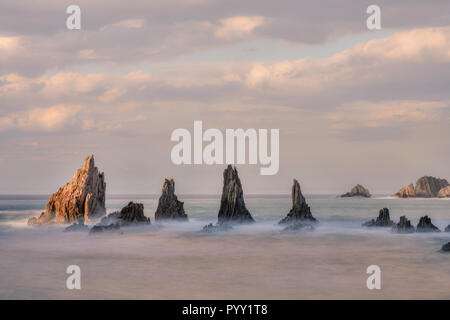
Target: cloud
112,95
238,27
51,119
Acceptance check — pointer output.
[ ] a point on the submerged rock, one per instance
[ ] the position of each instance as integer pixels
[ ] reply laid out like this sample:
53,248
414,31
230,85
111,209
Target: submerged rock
107,228
446,247
383,220
444,192
426,187
82,197
80,226
168,206
298,226
357,191
210,228
404,226
447,229
425,225
300,210
232,205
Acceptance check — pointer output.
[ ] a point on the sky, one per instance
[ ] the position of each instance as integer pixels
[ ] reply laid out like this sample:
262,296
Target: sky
352,105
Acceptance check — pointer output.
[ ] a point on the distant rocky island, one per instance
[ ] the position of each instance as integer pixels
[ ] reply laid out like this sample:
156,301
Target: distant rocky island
357,191
426,187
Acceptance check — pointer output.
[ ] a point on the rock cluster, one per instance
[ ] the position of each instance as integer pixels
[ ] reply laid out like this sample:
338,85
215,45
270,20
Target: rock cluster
426,187
404,226
383,220
425,225
169,208
80,226
446,247
82,197
300,209
232,205
131,214
357,191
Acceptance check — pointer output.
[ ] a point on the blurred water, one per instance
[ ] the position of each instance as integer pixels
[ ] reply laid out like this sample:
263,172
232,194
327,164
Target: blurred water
175,261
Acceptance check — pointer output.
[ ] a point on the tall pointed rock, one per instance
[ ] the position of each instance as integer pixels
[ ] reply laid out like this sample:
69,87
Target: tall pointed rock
232,205
169,208
300,210
82,197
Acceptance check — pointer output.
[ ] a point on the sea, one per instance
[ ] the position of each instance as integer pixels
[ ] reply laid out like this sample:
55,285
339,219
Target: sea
254,261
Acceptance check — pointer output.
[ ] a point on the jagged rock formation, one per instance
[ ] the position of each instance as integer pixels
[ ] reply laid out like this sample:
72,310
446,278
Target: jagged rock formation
232,205
404,226
297,226
132,213
425,225
406,192
300,210
357,191
446,247
383,220
168,206
444,192
80,226
426,187
82,197
447,229
106,228
210,228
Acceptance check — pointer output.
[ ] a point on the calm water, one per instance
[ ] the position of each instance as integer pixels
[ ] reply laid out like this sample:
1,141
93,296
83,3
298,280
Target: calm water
175,261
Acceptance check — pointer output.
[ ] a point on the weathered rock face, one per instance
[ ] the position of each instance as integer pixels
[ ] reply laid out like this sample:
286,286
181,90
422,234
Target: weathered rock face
132,213
406,192
169,208
446,247
82,197
425,225
426,187
404,226
383,220
357,191
444,192
232,205
300,210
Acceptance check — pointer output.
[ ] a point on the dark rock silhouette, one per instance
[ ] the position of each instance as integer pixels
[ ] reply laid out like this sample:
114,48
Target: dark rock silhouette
447,229
404,226
232,205
300,210
446,247
80,226
425,225
82,197
131,214
357,191
426,187
383,220
298,226
169,208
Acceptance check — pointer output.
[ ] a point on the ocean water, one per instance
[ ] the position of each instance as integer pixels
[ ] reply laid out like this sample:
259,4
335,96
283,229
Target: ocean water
257,261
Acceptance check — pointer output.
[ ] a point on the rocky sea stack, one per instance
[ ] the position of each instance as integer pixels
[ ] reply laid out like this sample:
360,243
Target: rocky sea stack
232,205
131,214
169,208
82,197
425,225
357,191
383,220
404,226
444,192
300,210
426,187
